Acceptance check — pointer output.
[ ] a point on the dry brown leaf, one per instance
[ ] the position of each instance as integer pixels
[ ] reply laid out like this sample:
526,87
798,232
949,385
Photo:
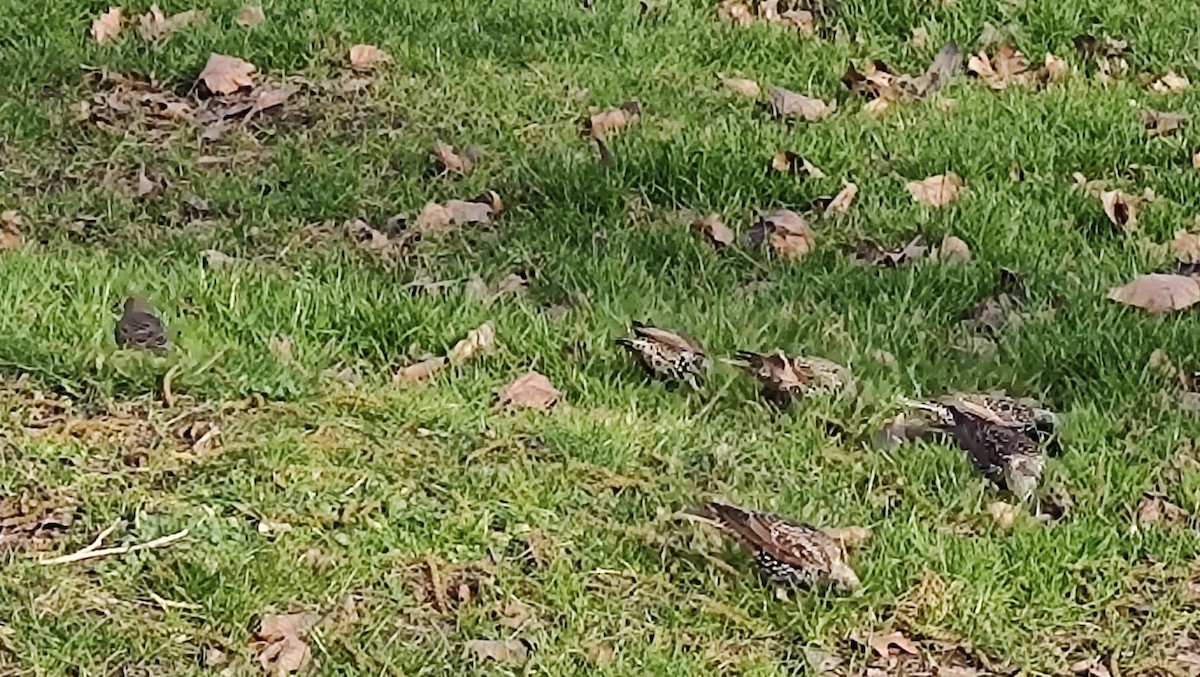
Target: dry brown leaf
1005,514
737,11
216,260
1186,246
869,252
250,16
787,162
937,191
508,651
451,161
226,74
1157,510
883,643
1120,207
600,125
1171,83
792,104
531,391
713,228
840,205
1055,69
281,647
598,653
437,218
419,372
742,87
1006,67
1158,123
463,212
434,218
953,250
11,236
154,25
146,187
477,343
788,234
1158,293
107,26
367,57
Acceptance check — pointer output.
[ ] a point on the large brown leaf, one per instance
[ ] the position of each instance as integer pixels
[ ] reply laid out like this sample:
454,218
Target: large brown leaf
367,57
530,391
937,191
281,646
1158,293
791,104
226,74
11,236
107,26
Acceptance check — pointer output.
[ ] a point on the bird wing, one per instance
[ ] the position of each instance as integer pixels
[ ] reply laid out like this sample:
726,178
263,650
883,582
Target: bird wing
668,339
990,446
1000,410
792,543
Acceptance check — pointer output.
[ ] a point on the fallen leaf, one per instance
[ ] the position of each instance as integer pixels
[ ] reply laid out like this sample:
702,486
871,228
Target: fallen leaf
1055,69
822,663
365,236
513,284
250,16
531,391
742,87
869,252
1158,511
1158,123
419,372
1090,667
953,250
107,26
787,162
791,104
1005,514
919,38
282,650
1158,293
477,343
146,188
1171,83
451,161
600,125
226,74
367,57
214,657
508,651
11,236
788,234
840,204
154,25
438,218
1120,207
463,212
883,643
1007,66
937,191
599,654
1186,246
713,228
216,260
270,96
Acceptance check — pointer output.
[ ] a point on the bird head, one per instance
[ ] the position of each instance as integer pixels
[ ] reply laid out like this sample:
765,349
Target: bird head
137,304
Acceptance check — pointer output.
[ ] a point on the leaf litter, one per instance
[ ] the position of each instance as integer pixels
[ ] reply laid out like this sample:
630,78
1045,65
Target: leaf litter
11,234
937,191
250,16
786,232
367,58
32,520
154,26
742,87
882,86
788,162
713,228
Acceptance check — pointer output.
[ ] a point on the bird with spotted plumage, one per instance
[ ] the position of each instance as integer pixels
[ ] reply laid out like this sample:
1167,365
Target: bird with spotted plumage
1001,436
785,378
787,552
667,355
139,327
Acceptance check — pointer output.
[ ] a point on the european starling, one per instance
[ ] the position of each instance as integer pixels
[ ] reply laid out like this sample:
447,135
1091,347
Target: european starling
999,435
139,327
666,355
785,378
787,552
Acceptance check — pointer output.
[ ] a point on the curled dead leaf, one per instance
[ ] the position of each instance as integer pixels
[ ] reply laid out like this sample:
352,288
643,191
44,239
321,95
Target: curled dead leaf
530,391
1155,510
788,234
1005,514
1171,83
224,75
454,162
742,87
1186,246
366,237
107,26
1158,293
478,342
883,643
713,228
787,103
1158,123
154,25
11,236
600,125
787,162
937,191
280,640
367,57
1005,67
868,252
1090,667
953,250
508,651
840,204
419,372
250,16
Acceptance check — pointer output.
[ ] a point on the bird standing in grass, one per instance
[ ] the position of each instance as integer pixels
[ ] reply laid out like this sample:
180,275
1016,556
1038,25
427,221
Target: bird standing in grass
999,434
786,551
784,378
139,327
667,355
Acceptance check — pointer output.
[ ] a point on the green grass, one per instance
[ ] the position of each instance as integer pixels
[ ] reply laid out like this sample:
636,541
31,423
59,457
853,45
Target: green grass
382,478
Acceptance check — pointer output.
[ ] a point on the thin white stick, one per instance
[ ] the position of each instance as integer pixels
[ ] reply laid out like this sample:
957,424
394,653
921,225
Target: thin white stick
119,550
100,539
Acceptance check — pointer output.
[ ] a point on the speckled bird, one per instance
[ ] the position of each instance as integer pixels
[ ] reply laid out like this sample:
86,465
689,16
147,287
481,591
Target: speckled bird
784,378
139,327
999,434
667,355
787,552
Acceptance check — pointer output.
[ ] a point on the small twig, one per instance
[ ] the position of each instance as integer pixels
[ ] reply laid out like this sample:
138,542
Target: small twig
168,604
91,553
103,535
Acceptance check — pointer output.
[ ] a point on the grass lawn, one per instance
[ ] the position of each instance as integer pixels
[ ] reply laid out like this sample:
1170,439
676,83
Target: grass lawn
415,519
